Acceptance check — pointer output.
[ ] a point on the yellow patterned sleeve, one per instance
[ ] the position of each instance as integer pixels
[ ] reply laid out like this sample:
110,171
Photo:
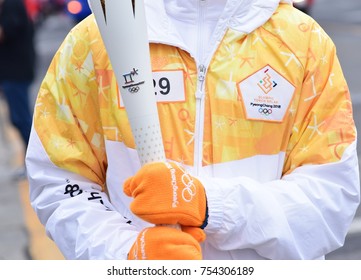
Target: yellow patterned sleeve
66,116
324,125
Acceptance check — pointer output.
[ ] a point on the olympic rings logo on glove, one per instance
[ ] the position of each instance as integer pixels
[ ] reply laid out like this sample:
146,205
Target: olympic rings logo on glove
190,189
264,111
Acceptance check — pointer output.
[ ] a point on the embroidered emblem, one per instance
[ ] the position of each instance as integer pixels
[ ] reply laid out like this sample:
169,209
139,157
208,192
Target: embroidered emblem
266,95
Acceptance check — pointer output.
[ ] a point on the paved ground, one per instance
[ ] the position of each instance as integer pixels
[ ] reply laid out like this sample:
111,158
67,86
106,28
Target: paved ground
22,237
13,231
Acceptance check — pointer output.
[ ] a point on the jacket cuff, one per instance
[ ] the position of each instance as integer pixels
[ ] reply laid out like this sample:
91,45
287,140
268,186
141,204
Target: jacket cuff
215,206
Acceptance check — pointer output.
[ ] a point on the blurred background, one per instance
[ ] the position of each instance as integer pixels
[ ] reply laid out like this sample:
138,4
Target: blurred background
40,10
21,235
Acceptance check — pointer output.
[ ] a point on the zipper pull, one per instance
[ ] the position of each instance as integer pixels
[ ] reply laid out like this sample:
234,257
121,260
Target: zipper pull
201,73
201,78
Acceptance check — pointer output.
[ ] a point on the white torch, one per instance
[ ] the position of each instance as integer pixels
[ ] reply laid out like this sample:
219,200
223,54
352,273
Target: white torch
122,25
123,28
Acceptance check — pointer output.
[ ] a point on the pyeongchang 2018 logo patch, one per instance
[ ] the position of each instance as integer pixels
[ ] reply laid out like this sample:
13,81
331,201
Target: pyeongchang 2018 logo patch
266,95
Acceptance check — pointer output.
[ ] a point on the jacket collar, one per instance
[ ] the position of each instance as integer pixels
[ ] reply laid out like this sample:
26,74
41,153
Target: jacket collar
242,15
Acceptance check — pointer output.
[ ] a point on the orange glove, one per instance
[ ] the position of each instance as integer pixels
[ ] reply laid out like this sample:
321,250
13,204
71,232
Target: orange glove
165,243
197,233
164,193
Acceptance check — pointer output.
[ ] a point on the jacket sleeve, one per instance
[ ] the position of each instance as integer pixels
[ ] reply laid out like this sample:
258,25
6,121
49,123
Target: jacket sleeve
66,161
307,212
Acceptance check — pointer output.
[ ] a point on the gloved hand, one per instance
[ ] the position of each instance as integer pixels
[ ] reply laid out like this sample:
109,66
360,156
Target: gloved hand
164,193
165,243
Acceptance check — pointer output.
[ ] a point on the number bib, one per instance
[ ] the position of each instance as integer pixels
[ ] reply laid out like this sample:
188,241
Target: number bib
168,87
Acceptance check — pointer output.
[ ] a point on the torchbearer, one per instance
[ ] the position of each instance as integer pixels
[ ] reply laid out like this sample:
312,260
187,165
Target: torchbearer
258,133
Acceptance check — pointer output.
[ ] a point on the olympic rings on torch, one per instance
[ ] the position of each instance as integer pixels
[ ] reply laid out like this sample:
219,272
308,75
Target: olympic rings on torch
133,89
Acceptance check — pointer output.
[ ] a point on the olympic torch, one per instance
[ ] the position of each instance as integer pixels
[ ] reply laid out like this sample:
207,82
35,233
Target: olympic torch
123,28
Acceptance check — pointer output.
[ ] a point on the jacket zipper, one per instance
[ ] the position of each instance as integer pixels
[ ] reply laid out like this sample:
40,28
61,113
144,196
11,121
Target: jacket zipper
200,94
201,15
199,128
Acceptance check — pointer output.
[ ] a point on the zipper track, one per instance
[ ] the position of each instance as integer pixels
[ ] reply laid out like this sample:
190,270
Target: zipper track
199,125
199,128
202,68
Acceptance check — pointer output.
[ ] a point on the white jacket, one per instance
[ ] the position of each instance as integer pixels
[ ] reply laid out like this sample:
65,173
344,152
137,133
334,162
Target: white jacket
264,120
